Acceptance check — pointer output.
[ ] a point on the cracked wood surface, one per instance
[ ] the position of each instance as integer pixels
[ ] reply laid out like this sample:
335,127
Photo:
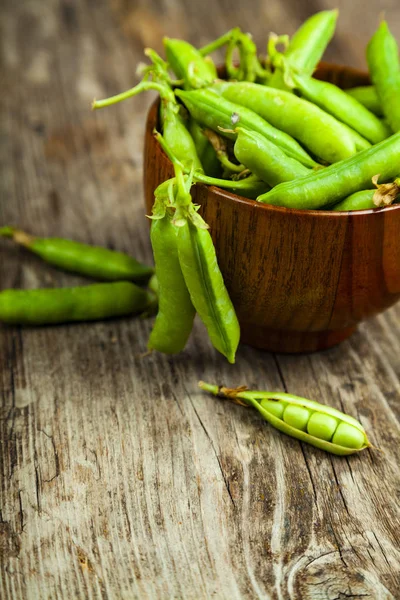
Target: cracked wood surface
119,479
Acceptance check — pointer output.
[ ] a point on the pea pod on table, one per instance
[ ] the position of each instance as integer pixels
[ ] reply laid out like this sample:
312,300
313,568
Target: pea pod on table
334,183
91,261
94,302
306,420
322,134
219,114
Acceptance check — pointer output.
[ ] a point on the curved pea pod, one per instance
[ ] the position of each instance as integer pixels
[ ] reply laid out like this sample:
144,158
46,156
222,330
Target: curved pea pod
205,151
307,45
362,200
342,106
91,261
384,195
174,128
306,420
367,96
181,141
207,289
265,159
87,303
249,187
189,64
174,321
318,131
384,67
212,111
330,185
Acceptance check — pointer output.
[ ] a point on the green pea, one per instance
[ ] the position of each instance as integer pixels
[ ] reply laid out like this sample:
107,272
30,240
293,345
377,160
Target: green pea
87,303
297,417
91,261
322,426
348,436
330,185
275,407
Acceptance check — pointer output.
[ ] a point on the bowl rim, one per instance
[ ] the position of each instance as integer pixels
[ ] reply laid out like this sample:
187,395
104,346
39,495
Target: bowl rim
151,123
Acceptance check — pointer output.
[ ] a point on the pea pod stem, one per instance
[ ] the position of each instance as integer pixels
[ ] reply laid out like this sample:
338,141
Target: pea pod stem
250,186
219,42
164,91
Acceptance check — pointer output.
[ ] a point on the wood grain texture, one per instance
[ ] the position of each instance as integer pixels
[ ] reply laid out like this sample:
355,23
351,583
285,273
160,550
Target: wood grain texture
119,479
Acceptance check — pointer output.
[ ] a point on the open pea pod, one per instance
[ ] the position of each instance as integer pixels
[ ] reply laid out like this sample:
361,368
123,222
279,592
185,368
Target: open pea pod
306,420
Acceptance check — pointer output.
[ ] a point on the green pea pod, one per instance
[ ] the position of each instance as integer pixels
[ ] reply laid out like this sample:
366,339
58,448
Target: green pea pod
367,96
384,195
174,320
174,128
306,420
94,302
90,261
318,131
362,200
330,185
307,46
342,106
212,111
189,64
265,159
249,187
205,151
384,67
207,289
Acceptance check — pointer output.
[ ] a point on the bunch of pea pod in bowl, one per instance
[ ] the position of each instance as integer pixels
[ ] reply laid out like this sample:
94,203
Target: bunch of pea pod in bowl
289,239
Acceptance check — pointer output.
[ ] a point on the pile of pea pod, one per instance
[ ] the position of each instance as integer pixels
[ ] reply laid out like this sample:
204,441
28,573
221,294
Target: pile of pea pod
269,130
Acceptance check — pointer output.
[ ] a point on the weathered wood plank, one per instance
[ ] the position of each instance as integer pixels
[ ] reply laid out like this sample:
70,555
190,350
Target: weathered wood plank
119,478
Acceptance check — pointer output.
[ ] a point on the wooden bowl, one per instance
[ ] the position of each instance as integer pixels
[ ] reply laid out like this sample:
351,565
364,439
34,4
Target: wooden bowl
300,280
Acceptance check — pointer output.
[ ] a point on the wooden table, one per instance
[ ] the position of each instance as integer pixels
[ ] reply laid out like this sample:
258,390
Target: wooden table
120,479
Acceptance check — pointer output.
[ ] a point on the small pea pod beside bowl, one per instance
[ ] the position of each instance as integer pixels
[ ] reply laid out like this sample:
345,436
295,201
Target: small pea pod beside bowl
306,420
